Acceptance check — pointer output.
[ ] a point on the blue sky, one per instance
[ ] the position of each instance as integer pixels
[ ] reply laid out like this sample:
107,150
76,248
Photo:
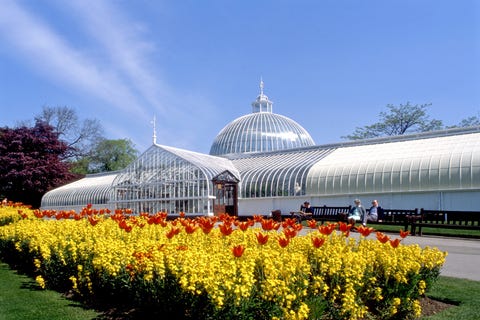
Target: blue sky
330,65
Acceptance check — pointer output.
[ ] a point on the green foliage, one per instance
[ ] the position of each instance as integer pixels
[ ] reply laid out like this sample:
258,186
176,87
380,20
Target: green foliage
112,155
107,155
398,120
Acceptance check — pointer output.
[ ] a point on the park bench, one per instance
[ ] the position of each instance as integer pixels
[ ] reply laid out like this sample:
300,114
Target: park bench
324,213
333,214
467,220
398,217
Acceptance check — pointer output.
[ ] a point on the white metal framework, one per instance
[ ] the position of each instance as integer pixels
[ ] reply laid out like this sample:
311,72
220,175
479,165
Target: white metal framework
260,131
277,174
169,179
425,164
93,189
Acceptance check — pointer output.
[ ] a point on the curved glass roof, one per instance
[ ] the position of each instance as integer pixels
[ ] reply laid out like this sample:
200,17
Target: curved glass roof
435,163
94,189
277,174
260,131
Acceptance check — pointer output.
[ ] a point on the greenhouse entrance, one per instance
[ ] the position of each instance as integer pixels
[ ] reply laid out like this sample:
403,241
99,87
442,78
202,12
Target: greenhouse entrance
226,194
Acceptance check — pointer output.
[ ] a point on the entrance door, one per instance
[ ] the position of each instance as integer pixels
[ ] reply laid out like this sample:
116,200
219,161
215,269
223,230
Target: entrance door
226,194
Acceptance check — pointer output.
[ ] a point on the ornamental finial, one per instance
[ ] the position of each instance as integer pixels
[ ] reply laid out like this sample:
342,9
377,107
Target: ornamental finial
261,86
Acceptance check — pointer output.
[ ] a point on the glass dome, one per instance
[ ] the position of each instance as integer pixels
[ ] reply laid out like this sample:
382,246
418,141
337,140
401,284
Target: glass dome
260,131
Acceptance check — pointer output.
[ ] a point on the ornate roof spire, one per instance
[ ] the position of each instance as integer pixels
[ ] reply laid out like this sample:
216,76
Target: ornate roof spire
154,137
262,104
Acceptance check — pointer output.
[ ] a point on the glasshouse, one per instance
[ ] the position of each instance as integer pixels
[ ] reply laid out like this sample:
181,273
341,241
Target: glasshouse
264,161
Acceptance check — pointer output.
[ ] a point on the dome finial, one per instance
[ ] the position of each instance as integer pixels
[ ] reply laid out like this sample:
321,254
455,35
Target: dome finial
154,137
261,86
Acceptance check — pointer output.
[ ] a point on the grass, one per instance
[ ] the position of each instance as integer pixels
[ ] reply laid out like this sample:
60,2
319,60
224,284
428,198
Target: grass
464,294
431,231
21,298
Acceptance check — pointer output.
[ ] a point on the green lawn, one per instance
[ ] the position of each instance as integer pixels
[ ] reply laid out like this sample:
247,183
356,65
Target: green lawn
431,231
21,298
464,294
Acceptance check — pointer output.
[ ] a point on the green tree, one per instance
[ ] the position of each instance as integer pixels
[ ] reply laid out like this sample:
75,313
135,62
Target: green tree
398,120
111,155
468,122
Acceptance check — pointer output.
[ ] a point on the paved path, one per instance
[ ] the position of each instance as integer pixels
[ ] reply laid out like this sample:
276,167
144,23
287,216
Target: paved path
463,260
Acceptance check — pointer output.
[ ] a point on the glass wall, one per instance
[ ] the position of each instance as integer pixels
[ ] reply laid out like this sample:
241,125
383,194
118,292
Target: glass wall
170,180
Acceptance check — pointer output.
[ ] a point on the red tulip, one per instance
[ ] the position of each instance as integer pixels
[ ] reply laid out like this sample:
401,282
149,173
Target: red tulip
365,231
382,237
328,229
395,243
225,229
289,232
318,242
404,234
283,242
261,238
312,223
238,251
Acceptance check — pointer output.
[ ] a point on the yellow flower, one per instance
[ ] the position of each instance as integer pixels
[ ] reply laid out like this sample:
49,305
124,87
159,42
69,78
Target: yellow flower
40,281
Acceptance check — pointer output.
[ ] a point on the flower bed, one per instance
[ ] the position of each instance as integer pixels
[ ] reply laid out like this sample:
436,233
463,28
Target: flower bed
216,268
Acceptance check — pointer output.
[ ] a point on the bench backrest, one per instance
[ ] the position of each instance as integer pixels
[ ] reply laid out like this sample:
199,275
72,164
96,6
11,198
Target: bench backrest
329,211
398,215
471,218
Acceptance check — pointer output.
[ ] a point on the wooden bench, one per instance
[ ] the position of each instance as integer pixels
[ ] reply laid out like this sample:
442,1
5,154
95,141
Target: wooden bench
467,220
398,217
323,213
334,214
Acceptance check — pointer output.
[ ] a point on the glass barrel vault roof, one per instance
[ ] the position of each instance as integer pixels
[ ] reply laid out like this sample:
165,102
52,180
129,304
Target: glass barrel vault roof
94,189
426,164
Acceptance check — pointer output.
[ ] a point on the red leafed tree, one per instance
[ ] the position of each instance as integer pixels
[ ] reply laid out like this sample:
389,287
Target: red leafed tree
31,162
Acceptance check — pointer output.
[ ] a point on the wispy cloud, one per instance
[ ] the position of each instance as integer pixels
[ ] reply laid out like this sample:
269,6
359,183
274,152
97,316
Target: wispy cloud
116,63
127,49
52,54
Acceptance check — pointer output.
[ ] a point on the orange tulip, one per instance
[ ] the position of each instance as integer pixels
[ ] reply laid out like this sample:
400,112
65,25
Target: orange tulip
289,232
206,224
244,225
327,230
225,229
404,234
365,231
283,242
238,251
268,224
92,220
257,218
395,243
289,222
312,223
173,231
382,237
261,238
191,228
343,227
318,242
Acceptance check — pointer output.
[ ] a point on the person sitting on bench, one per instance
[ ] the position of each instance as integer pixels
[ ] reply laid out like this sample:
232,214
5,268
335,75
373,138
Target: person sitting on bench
305,211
